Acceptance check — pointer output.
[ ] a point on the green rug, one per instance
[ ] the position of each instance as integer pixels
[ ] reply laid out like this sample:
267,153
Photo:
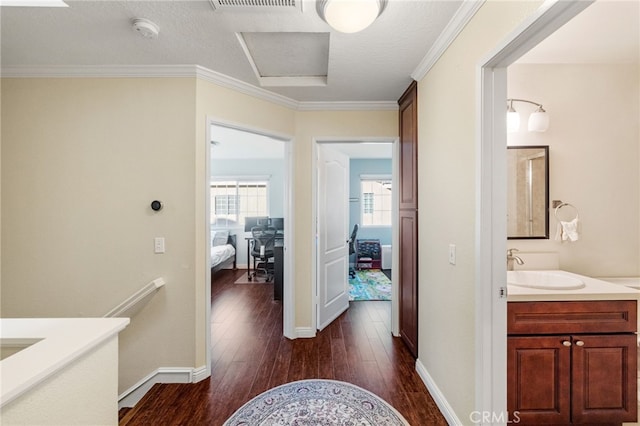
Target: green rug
370,284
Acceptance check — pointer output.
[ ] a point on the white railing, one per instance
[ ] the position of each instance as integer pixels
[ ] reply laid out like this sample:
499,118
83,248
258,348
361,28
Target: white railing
136,301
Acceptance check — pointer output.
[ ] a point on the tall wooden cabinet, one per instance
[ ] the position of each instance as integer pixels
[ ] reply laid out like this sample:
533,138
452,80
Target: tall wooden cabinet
408,217
572,362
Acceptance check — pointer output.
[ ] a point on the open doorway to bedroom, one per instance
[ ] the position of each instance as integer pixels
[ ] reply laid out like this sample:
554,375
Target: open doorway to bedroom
248,190
372,217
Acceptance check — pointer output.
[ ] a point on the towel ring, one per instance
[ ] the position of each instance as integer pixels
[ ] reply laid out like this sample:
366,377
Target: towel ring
561,205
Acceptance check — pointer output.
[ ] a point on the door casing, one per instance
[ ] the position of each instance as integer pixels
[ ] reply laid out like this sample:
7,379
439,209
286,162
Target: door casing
394,224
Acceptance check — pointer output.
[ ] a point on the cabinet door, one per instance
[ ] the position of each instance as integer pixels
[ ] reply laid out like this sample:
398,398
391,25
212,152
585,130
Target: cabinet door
538,379
409,280
408,218
604,378
408,185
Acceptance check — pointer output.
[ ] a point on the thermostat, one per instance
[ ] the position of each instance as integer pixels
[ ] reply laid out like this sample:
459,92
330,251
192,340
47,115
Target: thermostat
156,205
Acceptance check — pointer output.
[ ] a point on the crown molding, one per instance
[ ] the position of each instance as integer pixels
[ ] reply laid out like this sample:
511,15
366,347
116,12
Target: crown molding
248,89
99,71
454,27
349,106
187,71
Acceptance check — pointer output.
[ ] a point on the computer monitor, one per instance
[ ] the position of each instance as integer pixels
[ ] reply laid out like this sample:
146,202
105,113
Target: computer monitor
278,223
251,221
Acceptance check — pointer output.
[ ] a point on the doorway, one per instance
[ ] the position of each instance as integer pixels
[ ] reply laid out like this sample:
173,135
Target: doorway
357,149
271,162
491,219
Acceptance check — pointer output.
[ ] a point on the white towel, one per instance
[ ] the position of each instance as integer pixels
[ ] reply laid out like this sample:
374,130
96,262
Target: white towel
568,231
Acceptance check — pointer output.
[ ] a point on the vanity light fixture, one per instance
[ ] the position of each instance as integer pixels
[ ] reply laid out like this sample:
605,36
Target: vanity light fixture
350,16
538,120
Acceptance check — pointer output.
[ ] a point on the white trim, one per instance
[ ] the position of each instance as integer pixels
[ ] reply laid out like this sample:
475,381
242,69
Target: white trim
305,332
243,87
381,176
462,16
207,251
189,71
131,396
439,398
201,373
288,290
491,76
395,235
100,71
395,239
288,296
348,106
239,178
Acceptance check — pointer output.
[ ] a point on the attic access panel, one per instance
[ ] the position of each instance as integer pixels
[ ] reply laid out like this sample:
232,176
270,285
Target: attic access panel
287,58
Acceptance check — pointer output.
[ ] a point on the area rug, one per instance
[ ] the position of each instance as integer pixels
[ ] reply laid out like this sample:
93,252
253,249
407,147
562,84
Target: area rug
316,402
244,279
370,284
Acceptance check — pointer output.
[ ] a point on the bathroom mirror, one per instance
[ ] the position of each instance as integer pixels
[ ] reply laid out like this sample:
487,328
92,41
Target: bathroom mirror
527,192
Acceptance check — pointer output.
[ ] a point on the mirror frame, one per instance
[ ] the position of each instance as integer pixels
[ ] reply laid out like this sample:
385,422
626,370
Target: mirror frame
546,191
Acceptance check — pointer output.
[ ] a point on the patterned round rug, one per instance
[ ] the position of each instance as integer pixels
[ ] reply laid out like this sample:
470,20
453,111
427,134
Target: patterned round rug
316,402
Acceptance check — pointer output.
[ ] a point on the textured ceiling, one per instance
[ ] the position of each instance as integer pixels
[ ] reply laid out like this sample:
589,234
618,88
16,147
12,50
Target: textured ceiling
374,65
370,66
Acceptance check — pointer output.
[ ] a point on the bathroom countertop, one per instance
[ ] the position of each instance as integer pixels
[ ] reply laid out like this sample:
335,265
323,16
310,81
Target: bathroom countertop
594,289
58,343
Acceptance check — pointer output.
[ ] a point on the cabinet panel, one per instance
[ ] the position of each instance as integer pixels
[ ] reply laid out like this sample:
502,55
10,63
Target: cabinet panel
604,378
409,280
408,164
538,379
611,316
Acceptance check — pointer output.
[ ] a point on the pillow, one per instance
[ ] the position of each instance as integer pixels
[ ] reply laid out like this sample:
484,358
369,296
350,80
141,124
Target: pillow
220,238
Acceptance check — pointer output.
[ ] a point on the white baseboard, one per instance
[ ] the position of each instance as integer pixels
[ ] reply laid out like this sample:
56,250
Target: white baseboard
438,396
199,374
131,396
305,332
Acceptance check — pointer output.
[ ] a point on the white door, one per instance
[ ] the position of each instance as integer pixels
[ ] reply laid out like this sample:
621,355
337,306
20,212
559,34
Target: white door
333,232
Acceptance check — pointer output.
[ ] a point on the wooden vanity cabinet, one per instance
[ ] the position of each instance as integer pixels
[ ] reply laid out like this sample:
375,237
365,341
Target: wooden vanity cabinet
572,362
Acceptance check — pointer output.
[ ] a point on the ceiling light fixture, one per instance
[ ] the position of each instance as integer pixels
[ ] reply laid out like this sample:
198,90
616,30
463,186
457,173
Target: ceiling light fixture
145,28
538,120
350,16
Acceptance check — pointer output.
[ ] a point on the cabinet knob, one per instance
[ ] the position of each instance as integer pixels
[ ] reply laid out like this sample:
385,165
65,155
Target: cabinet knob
566,343
579,343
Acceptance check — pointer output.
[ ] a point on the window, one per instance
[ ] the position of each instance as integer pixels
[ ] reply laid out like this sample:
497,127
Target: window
375,193
233,200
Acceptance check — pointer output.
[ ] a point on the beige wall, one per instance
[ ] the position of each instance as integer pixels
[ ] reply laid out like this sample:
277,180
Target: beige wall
221,104
317,125
594,144
447,150
83,158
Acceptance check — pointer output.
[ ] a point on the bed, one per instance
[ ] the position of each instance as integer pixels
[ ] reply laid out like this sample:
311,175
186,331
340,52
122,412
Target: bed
223,251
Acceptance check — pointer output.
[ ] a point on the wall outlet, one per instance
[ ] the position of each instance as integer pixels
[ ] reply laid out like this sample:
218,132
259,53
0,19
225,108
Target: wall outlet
452,254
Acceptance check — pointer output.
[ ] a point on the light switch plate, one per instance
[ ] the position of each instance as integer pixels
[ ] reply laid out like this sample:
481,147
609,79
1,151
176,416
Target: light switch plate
158,245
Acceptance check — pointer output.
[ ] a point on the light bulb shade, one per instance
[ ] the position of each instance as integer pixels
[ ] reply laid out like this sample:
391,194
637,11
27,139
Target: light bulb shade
513,121
349,16
538,121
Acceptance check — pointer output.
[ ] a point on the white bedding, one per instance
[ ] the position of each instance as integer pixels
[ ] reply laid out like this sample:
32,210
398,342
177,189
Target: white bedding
221,253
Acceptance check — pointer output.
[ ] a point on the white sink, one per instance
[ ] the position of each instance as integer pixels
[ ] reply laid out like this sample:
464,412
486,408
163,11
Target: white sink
546,280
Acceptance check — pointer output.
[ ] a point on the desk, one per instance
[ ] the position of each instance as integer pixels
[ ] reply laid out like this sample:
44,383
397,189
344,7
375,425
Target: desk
278,264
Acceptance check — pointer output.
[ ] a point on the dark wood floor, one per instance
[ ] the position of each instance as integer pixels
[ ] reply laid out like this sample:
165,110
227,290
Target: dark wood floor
250,355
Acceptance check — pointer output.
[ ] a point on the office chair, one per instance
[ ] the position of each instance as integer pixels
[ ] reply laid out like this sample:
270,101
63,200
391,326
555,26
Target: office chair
352,248
264,239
